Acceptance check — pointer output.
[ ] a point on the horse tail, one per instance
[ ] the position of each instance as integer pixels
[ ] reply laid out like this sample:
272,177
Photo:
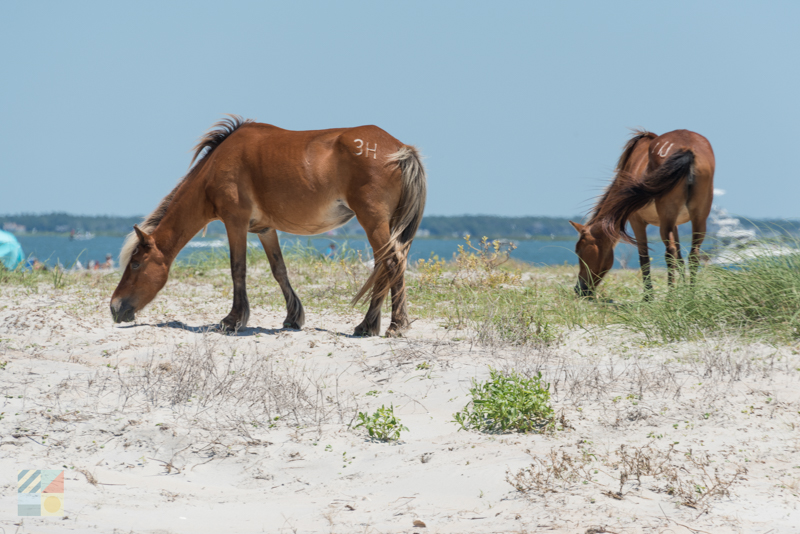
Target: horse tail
625,157
403,225
632,196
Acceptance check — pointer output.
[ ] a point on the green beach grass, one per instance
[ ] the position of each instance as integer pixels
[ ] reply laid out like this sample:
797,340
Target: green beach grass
504,301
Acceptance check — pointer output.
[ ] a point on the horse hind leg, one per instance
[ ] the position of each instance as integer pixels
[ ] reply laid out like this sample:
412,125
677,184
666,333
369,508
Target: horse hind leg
382,277
295,315
671,254
400,322
698,235
640,232
679,262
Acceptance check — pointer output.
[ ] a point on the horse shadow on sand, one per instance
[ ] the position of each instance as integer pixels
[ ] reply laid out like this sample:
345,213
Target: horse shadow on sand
214,328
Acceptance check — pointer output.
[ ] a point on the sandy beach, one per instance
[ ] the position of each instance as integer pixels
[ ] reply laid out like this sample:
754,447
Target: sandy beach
168,425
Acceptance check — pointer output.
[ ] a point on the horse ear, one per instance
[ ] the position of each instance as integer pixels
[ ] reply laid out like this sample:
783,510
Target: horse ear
145,240
578,226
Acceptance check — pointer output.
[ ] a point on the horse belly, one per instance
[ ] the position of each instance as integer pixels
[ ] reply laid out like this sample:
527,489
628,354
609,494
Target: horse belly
650,215
306,218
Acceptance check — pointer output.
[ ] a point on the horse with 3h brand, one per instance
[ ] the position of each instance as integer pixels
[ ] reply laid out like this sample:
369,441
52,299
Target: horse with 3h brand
662,180
260,178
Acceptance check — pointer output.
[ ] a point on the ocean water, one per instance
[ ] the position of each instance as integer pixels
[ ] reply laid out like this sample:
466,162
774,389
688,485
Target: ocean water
56,249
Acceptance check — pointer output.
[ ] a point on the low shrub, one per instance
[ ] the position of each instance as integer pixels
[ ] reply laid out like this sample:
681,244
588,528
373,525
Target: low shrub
382,425
510,403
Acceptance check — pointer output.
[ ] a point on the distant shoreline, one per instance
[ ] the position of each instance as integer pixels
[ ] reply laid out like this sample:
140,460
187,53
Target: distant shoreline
322,236
532,228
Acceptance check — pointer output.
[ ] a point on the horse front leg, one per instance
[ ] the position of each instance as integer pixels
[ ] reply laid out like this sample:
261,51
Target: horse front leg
640,233
240,312
295,315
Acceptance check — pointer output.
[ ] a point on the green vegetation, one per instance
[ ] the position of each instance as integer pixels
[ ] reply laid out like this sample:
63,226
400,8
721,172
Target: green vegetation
508,403
382,425
498,301
761,298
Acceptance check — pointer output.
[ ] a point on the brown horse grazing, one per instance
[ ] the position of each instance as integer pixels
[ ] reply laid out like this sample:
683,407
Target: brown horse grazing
662,180
260,178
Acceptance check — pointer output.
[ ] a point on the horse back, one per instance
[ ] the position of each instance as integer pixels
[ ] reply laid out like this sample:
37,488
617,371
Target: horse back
667,144
311,154
304,182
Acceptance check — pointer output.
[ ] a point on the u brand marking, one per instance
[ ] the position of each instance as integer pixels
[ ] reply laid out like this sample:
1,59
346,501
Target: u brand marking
662,152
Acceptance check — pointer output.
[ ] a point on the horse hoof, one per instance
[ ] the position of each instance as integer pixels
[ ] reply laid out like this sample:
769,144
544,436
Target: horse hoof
396,331
363,331
230,325
292,325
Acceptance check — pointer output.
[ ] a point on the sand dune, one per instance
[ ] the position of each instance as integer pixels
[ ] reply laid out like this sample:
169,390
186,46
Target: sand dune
169,426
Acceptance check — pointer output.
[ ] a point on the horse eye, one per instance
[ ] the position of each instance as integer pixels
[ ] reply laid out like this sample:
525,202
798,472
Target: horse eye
134,265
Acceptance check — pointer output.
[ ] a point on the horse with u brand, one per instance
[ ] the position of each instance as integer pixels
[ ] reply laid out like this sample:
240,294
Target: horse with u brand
663,180
260,178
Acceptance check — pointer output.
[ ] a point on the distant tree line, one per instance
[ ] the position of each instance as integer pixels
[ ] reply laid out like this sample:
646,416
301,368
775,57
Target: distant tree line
60,222
435,226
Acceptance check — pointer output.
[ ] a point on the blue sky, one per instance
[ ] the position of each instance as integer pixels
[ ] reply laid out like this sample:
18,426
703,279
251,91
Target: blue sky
521,108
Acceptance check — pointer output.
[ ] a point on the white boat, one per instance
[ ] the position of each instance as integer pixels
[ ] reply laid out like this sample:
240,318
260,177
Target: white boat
733,244
82,236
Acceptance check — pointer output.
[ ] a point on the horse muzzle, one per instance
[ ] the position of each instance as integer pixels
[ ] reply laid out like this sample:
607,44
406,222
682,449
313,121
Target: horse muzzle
122,311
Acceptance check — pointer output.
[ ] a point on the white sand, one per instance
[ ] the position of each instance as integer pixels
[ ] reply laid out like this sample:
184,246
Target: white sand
112,402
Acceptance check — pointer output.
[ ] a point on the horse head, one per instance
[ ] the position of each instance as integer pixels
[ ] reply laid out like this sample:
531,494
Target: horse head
595,252
145,274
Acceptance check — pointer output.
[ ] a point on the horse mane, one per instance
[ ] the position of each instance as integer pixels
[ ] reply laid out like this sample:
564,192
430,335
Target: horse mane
620,176
211,140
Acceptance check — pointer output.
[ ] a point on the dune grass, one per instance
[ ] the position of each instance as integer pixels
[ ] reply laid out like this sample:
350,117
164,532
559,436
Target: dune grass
502,301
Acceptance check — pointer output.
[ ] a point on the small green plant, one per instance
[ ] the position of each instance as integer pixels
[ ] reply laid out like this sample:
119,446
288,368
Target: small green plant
479,266
58,278
508,403
382,425
430,272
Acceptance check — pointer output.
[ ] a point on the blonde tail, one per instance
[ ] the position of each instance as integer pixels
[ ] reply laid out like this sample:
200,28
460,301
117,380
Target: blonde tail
404,225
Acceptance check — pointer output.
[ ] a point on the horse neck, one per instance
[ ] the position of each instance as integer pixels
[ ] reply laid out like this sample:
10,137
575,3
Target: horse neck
185,216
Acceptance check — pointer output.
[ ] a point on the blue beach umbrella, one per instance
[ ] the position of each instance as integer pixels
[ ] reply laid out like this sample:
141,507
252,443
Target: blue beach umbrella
10,251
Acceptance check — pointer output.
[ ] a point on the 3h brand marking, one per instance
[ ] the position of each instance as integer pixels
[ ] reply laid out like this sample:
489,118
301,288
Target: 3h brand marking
366,149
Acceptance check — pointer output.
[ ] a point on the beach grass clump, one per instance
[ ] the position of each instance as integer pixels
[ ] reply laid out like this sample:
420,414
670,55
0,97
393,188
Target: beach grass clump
760,298
382,425
508,403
